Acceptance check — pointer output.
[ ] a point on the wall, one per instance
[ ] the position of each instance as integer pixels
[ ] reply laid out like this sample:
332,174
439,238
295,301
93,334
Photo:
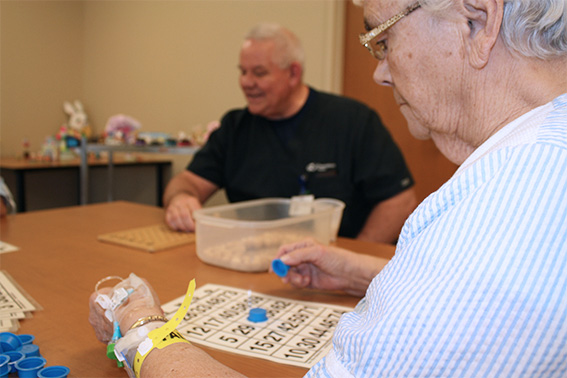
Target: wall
170,64
173,65
41,65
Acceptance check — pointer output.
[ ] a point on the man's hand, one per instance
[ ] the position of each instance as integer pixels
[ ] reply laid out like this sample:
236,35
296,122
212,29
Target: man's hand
185,193
179,213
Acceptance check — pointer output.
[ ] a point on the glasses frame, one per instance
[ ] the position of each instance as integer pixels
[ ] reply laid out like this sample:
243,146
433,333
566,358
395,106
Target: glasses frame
366,38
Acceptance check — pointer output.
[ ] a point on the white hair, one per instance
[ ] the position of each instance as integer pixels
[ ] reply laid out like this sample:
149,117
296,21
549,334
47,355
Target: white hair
536,28
532,28
288,46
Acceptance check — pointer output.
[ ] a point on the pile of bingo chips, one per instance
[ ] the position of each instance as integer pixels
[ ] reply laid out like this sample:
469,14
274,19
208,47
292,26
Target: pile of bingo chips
19,356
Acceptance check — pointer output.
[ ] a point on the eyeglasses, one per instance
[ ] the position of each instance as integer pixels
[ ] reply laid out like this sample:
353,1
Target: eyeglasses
378,49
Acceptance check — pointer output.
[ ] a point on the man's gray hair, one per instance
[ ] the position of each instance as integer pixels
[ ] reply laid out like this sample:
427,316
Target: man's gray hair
532,28
288,47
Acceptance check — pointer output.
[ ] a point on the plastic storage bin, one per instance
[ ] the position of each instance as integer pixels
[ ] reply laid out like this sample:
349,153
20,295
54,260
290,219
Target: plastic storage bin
246,236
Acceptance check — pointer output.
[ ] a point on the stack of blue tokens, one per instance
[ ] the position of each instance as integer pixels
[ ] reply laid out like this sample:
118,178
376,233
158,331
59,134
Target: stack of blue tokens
18,353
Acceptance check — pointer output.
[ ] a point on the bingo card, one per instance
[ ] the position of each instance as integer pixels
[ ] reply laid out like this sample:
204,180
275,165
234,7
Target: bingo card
150,239
297,332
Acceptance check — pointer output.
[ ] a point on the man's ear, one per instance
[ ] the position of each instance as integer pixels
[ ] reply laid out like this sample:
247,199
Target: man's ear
484,21
296,71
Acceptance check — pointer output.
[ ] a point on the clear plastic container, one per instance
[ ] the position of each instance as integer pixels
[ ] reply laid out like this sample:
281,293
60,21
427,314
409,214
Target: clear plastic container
246,236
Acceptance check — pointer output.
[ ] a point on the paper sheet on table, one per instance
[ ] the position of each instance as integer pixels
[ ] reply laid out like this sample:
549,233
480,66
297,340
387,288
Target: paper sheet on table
13,298
7,325
5,247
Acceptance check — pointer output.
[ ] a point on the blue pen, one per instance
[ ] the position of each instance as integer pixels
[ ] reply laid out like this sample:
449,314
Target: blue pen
303,185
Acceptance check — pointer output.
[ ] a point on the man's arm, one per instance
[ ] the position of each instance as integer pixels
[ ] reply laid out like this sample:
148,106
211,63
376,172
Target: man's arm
185,193
387,218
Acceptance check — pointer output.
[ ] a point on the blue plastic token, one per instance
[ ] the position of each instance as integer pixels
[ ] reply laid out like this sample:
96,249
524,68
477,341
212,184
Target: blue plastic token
257,315
30,350
4,365
280,268
9,341
28,367
26,339
53,372
14,358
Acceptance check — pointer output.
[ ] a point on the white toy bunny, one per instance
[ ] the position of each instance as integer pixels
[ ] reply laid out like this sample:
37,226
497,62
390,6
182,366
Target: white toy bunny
77,116
78,121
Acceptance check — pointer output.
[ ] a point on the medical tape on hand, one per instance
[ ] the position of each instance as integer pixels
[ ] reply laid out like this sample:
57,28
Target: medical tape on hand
166,334
110,305
119,296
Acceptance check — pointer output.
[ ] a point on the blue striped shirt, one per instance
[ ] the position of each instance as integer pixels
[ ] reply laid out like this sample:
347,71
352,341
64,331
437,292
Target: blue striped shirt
478,285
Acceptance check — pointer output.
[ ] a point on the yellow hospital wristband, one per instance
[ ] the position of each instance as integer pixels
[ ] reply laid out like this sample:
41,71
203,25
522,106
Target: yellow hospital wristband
171,338
166,334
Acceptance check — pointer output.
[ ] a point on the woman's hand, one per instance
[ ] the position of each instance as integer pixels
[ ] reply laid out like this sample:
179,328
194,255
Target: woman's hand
142,302
313,265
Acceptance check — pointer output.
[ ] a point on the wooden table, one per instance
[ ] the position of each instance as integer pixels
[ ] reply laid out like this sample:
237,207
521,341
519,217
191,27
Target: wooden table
60,260
39,185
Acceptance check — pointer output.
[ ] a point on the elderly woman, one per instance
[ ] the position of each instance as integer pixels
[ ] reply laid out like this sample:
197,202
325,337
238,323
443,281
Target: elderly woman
478,285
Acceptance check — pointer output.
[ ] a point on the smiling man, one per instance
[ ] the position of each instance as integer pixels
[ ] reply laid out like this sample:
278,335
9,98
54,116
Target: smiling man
292,139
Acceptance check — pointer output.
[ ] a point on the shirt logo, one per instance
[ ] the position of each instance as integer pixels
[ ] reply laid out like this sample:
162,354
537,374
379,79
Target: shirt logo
320,167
